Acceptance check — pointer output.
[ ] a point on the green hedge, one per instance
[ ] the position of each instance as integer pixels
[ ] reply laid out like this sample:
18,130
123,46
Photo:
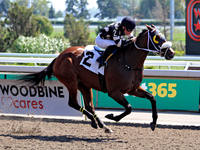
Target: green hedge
41,44
177,23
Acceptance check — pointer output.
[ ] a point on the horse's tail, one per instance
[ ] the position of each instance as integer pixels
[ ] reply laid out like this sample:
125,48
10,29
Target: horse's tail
39,77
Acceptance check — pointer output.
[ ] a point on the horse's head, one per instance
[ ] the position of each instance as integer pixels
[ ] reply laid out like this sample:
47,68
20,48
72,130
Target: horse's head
159,43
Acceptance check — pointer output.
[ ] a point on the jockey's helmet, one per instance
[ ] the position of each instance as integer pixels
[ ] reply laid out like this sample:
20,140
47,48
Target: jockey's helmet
128,23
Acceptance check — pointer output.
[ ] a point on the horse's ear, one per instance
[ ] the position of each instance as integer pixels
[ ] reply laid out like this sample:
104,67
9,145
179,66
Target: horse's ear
153,26
148,27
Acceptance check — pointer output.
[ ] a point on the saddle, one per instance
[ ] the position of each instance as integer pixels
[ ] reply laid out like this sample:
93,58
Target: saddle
91,53
98,48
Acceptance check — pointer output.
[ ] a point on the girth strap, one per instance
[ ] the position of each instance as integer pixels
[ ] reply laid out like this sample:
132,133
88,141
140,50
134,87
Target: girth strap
102,82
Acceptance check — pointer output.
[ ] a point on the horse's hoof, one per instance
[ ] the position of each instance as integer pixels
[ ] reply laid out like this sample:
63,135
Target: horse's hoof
94,125
108,131
110,116
153,126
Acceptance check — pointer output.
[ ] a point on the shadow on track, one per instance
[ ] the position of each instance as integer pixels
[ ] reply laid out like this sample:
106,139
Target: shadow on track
66,138
184,127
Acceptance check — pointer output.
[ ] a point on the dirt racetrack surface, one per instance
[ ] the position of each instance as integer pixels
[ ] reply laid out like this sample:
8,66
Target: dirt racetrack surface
33,134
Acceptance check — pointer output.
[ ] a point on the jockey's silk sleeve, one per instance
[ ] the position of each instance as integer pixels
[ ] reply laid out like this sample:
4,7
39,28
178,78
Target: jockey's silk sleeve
115,32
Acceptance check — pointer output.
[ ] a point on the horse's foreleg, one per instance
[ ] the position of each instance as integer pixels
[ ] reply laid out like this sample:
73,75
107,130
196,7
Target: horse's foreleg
119,97
140,92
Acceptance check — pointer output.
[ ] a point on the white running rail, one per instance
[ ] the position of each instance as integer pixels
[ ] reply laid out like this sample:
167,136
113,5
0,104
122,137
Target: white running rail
8,59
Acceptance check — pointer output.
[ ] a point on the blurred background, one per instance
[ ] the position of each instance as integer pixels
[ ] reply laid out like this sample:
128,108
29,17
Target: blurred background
50,26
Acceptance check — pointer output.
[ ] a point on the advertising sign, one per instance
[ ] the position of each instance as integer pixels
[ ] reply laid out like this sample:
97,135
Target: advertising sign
170,95
193,27
18,98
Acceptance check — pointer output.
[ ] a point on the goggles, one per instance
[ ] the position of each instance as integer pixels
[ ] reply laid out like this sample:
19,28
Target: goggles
128,29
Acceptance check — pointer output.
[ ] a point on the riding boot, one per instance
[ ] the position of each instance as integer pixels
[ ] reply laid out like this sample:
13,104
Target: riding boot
103,58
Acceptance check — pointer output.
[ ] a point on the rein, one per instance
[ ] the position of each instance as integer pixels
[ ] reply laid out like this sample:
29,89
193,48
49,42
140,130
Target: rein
149,50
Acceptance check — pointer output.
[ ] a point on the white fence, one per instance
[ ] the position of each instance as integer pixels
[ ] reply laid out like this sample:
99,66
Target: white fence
186,62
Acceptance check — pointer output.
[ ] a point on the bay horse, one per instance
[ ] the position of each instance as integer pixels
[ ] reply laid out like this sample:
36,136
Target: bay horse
123,74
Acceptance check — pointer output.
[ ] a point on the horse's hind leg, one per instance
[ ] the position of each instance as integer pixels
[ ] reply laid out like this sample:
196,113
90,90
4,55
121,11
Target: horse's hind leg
140,92
74,104
81,109
69,79
88,101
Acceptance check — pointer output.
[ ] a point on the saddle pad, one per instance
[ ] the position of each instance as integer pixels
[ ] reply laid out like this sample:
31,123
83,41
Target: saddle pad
89,60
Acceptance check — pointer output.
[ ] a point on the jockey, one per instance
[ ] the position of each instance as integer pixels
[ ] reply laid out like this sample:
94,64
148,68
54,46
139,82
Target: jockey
112,36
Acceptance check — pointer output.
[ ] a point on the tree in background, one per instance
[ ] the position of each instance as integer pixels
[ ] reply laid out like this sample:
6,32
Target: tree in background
77,8
52,12
83,12
146,8
72,7
125,9
4,38
179,9
128,7
41,7
45,26
163,8
18,22
21,2
59,14
108,9
77,31
4,7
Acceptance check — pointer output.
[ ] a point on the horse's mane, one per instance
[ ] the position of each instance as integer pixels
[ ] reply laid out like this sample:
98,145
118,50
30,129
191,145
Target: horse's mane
140,34
143,31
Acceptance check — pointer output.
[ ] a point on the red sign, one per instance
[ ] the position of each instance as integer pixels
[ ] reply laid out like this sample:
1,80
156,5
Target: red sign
193,20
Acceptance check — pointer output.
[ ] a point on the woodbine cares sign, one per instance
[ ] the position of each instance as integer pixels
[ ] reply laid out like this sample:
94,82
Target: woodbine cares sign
22,99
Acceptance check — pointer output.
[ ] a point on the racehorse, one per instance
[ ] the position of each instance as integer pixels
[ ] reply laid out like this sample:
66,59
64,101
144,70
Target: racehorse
123,74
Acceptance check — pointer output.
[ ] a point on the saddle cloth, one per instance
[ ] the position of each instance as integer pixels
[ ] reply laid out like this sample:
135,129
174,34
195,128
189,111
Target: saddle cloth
89,59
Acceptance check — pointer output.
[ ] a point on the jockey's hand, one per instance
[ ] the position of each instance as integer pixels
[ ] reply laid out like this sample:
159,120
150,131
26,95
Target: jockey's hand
125,43
134,39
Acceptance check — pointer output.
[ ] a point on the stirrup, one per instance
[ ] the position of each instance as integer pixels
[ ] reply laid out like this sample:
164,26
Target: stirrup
104,64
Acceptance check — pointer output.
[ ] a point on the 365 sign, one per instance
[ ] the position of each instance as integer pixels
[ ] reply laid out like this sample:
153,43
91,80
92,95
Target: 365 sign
193,27
170,94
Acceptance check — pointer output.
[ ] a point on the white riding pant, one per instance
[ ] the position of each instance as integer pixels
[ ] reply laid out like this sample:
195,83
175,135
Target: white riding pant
103,43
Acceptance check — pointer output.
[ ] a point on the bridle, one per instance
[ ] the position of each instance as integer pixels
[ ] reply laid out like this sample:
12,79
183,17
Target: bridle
153,47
